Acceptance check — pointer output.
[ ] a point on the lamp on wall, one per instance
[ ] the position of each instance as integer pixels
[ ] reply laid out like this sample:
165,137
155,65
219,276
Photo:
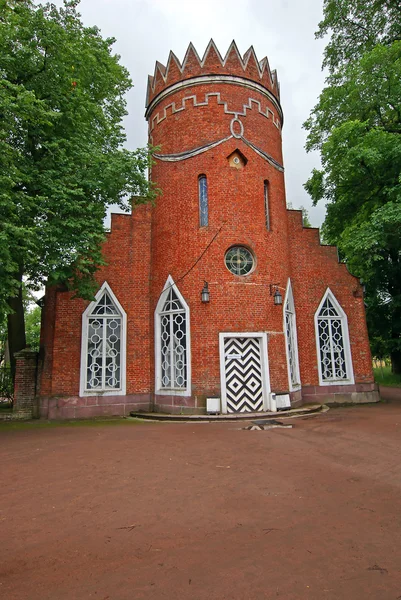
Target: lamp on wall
205,294
275,292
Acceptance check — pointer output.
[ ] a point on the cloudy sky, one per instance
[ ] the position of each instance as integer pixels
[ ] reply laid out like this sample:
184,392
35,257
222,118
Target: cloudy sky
282,30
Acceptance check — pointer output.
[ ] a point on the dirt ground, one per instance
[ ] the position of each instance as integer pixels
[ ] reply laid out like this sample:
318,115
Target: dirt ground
204,511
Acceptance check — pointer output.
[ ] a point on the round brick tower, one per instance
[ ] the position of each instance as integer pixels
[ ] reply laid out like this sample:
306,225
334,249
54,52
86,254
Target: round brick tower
217,125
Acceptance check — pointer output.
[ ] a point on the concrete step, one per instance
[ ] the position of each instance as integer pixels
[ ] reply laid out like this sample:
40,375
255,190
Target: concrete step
245,416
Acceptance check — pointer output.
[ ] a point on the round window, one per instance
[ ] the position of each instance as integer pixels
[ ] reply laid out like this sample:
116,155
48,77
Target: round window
239,260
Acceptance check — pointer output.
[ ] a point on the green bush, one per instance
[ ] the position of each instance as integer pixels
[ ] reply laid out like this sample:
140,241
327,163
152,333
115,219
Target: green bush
384,376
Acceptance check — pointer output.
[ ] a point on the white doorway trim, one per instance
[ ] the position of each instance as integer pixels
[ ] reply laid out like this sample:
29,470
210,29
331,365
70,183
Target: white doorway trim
262,336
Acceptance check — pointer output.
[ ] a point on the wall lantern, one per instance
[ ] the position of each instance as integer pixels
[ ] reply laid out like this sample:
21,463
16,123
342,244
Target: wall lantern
205,294
275,292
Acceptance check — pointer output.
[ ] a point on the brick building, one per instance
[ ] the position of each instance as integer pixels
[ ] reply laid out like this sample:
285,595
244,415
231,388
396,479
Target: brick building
218,290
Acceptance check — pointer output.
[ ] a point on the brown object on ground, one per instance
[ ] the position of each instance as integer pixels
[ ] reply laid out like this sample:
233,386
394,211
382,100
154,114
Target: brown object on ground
128,512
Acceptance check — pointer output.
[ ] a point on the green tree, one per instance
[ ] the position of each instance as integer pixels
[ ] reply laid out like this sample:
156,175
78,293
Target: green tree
62,160
356,125
32,326
305,217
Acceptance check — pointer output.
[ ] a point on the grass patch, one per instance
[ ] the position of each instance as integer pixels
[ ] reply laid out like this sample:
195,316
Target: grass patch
384,376
39,424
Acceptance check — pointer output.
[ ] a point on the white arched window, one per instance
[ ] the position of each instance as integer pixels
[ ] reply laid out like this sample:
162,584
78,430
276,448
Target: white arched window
291,341
172,343
332,339
103,346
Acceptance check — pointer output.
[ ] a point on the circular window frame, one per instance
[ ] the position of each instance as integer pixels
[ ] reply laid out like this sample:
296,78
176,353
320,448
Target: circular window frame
247,249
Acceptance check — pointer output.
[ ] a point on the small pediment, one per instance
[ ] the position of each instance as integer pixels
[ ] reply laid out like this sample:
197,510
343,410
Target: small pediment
237,160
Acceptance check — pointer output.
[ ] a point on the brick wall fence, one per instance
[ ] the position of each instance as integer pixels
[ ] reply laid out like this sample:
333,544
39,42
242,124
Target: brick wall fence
25,402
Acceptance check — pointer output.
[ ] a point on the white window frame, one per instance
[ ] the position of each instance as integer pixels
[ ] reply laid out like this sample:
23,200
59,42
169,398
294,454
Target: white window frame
84,346
347,348
289,296
158,376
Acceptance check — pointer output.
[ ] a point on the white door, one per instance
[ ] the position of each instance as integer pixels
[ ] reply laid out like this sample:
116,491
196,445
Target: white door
244,372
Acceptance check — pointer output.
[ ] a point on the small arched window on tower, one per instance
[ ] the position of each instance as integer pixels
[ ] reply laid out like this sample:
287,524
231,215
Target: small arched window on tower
203,201
267,204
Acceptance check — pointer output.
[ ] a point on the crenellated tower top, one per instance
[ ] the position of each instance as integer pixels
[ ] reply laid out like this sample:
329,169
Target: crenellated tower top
232,65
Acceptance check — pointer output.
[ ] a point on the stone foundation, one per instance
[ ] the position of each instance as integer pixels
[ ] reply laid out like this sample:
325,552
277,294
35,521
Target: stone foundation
358,393
296,399
16,416
89,407
74,407
180,405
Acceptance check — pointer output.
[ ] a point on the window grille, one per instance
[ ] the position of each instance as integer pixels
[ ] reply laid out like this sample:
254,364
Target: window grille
331,343
173,347
239,260
203,201
104,325
291,339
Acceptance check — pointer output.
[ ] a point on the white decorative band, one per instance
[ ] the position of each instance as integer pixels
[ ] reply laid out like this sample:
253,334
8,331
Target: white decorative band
190,153
201,149
205,79
241,128
158,117
264,155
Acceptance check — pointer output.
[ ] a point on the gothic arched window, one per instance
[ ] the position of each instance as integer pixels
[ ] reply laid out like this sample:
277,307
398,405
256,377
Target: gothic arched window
172,342
203,201
334,353
103,345
290,330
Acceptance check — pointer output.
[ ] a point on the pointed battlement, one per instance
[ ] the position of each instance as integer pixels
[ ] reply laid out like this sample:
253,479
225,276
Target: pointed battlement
212,63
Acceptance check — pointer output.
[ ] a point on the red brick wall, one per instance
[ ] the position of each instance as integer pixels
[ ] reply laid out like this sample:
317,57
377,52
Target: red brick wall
25,383
143,249
127,252
315,267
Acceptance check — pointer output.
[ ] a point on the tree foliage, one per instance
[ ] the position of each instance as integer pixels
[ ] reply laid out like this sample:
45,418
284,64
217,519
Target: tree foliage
62,155
356,27
32,326
356,125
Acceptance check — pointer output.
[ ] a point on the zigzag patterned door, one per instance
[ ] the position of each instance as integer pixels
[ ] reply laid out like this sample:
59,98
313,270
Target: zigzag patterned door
243,374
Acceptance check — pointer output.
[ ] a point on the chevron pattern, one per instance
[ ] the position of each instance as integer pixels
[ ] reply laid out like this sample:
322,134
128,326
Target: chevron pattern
243,366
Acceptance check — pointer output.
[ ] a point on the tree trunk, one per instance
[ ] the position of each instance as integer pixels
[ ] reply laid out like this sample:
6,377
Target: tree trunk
16,326
396,362
395,291
395,352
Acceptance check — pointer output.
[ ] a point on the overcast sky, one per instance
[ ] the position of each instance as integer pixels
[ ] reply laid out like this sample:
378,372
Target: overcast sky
282,30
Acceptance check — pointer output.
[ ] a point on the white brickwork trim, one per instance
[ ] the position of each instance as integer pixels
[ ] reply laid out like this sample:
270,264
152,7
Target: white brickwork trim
252,102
